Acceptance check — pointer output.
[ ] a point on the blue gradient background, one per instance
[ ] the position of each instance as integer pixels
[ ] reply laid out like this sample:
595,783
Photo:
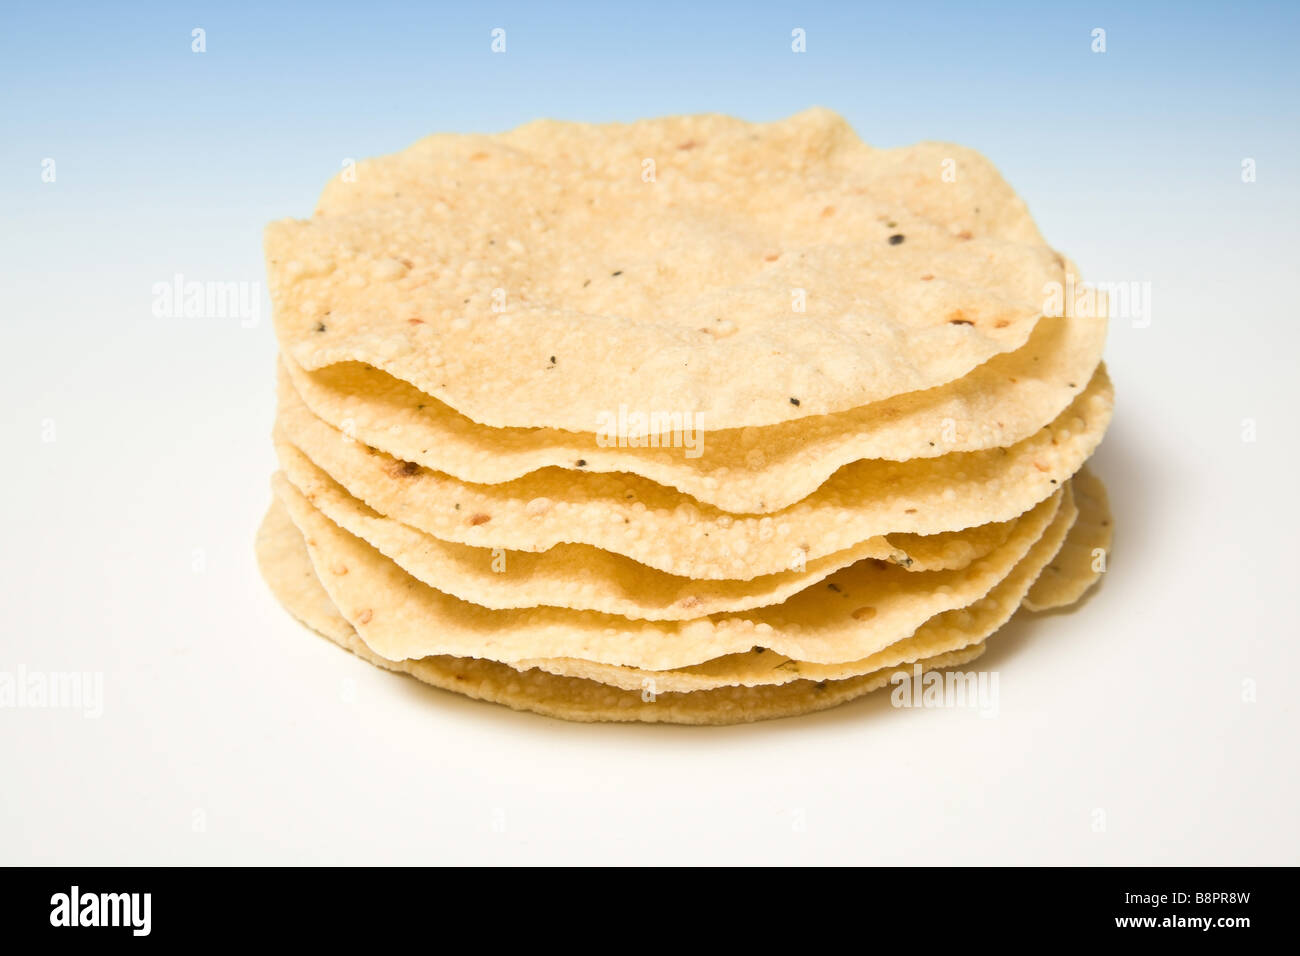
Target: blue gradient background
189,152
171,162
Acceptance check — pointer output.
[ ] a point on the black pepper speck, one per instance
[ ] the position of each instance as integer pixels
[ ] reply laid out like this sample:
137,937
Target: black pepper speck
896,239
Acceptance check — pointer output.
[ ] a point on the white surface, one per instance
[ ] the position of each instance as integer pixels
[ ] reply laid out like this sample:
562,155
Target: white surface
220,708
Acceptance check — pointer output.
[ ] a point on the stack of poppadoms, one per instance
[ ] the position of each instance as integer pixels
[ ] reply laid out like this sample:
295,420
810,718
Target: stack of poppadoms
688,420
